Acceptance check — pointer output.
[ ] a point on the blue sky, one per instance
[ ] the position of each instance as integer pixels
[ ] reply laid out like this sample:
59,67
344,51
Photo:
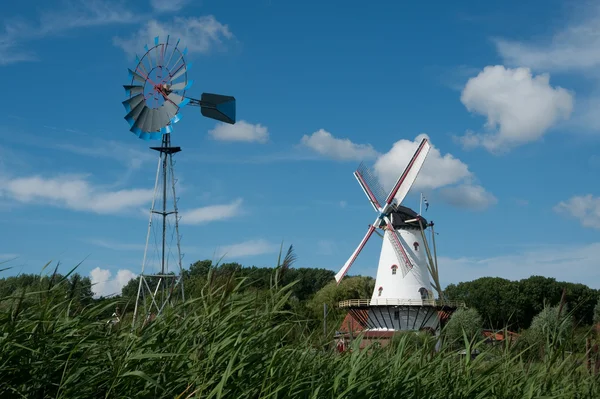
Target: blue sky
506,92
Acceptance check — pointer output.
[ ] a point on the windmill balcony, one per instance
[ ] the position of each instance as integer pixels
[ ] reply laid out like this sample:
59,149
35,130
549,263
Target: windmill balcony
398,302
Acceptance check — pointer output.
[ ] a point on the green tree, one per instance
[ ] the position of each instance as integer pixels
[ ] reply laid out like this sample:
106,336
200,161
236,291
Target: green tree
496,299
358,287
550,329
581,300
463,321
597,312
536,292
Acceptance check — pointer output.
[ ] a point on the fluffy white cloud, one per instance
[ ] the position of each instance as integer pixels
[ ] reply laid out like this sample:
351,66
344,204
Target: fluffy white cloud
75,15
212,213
574,263
585,208
469,196
241,131
168,5
437,171
327,145
246,248
575,47
73,192
519,107
103,284
198,34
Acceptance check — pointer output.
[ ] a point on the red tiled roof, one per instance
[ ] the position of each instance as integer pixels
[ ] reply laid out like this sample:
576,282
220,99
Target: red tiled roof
499,335
351,323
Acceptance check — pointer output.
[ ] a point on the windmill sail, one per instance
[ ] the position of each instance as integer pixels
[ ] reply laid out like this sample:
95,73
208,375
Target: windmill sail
371,186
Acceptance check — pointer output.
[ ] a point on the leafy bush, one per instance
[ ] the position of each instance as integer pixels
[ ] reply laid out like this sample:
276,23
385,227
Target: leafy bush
465,322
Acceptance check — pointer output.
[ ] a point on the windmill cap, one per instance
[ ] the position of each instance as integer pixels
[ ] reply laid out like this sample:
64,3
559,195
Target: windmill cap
402,213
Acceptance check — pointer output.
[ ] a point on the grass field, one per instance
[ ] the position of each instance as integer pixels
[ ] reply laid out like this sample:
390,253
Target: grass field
231,344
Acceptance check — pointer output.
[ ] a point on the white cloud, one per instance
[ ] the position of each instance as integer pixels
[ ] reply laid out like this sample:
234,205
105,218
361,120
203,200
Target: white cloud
241,131
89,13
116,246
104,285
585,208
327,145
437,171
468,196
246,248
118,151
211,213
168,5
573,49
73,192
576,47
573,263
198,34
519,107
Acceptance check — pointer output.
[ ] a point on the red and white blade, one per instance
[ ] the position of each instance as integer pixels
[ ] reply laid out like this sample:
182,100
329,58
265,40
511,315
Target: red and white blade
399,248
367,190
349,262
410,174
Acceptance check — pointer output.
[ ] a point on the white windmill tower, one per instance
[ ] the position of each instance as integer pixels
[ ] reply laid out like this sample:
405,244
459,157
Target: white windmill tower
403,298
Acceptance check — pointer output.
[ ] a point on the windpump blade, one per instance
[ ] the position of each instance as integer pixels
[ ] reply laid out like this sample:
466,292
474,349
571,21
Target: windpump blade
132,102
132,115
409,175
349,262
133,89
216,106
182,85
136,76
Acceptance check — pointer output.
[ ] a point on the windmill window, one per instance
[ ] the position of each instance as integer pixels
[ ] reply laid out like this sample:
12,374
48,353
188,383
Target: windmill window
424,293
416,245
380,290
394,269
396,314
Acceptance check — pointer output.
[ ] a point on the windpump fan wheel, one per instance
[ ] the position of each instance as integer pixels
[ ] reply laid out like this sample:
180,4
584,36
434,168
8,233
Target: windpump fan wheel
157,90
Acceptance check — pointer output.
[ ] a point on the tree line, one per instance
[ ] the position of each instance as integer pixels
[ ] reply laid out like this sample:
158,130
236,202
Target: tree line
513,304
500,302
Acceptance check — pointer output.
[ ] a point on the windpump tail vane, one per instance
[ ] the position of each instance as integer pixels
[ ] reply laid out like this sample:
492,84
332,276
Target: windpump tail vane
410,174
216,106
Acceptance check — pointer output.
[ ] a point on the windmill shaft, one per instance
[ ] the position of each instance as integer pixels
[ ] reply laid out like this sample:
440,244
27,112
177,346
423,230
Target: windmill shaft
166,143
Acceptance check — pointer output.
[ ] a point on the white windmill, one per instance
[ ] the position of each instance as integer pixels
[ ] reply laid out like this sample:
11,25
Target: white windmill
403,297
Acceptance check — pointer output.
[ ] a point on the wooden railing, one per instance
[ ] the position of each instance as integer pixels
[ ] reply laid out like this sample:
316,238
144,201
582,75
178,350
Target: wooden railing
398,302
